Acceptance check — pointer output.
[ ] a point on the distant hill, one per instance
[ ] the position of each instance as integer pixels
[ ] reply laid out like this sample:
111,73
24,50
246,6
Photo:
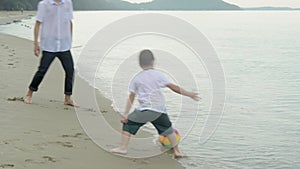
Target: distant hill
186,5
154,5
271,8
124,5
93,5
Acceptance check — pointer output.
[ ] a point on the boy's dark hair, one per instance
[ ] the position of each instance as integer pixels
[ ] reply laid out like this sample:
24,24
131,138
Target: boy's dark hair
146,58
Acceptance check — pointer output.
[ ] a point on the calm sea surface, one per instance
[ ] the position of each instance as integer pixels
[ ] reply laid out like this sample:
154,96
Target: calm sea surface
260,55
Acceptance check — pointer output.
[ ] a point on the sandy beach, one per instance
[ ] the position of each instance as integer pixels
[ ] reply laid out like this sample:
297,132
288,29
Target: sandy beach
47,134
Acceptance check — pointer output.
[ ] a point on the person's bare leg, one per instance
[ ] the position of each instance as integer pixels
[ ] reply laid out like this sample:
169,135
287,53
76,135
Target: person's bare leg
28,98
124,145
69,101
172,139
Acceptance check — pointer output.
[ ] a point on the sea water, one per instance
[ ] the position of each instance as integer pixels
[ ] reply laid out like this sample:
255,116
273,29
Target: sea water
259,53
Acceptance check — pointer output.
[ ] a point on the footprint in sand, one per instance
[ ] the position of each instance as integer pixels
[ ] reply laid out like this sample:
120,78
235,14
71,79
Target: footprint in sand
48,158
58,101
91,110
145,162
43,146
140,164
16,99
7,165
4,142
74,136
35,131
53,101
9,141
22,149
33,161
77,135
40,146
31,131
43,160
104,111
64,144
88,139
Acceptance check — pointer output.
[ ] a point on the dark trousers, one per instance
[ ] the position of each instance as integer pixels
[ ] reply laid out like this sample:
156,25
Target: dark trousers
46,60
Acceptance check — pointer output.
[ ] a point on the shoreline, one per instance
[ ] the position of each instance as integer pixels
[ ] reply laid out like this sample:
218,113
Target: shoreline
47,134
8,17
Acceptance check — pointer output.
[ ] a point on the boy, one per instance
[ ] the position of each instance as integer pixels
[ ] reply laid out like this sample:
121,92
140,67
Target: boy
146,85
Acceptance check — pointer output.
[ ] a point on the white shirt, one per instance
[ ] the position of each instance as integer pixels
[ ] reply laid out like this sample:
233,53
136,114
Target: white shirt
146,85
55,20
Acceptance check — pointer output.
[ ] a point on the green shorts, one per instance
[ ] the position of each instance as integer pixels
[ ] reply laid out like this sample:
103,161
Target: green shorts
138,118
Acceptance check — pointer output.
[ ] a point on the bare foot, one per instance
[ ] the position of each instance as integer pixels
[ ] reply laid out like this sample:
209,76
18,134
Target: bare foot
28,100
71,103
179,155
119,150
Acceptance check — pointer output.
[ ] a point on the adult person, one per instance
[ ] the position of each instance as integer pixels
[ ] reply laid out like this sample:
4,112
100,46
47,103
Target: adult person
54,17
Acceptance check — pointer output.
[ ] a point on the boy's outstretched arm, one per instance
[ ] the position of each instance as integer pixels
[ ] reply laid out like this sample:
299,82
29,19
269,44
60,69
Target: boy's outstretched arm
129,103
181,91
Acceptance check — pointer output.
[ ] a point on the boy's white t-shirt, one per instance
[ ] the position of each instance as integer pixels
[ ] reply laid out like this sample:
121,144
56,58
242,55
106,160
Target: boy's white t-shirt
146,85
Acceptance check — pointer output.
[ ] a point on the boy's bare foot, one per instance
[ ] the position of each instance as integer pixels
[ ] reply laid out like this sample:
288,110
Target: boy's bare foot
179,155
71,103
119,150
28,100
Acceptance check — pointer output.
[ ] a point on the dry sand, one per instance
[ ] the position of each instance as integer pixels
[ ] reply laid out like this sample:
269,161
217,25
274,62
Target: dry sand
47,134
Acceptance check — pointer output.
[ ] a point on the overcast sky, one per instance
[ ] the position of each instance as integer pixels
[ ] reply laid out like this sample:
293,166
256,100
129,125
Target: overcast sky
255,3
